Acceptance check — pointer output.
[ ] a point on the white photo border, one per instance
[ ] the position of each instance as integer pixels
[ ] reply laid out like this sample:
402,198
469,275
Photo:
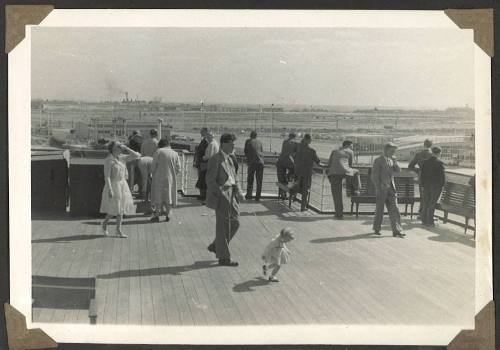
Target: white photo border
19,114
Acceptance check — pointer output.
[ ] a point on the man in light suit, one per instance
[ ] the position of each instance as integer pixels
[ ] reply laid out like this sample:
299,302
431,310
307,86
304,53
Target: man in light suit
223,195
382,176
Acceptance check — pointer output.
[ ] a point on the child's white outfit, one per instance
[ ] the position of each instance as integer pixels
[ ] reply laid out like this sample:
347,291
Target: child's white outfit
276,252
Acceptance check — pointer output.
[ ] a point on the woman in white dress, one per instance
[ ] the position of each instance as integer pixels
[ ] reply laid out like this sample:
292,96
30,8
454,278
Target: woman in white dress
166,164
116,197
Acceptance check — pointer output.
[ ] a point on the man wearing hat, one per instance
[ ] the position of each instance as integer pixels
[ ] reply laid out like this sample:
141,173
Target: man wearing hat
304,163
416,166
286,162
432,179
382,176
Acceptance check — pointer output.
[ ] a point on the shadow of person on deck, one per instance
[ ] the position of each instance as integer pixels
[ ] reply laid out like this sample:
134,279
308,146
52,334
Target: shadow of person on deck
346,238
442,234
170,270
66,239
249,286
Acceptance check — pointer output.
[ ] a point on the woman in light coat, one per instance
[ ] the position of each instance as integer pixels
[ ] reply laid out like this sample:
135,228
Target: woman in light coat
166,164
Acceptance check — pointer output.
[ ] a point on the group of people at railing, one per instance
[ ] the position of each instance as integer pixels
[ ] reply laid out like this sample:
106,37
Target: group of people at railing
218,184
155,164
296,164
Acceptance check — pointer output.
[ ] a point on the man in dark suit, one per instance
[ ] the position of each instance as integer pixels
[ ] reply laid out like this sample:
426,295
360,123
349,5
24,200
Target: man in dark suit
432,179
201,164
417,160
286,161
134,175
223,195
304,163
382,176
255,161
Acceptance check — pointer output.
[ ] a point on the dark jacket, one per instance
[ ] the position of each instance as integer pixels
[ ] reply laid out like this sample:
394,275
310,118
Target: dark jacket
200,152
253,151
304,160
418,159
135,143
432,174
287,155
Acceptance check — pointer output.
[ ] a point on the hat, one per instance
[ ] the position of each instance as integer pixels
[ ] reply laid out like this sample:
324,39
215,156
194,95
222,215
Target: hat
390,145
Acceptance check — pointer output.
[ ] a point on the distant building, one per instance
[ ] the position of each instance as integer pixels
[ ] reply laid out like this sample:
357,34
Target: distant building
368,144
121,128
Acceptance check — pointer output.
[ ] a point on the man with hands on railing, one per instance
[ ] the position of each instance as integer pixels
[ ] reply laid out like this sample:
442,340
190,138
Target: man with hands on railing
382,176
340,166
304,163
224,195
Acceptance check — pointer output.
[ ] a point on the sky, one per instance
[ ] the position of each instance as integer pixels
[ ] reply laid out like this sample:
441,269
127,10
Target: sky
409,68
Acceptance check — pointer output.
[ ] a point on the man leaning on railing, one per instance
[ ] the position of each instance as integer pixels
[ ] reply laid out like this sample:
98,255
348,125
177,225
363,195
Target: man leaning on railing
340,166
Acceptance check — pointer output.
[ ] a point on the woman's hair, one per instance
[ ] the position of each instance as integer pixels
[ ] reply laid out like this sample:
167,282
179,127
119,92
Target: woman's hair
110,146
287,233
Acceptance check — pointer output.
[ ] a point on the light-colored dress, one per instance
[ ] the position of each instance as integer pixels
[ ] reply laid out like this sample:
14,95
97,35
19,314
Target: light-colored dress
276,252
166,163
116,170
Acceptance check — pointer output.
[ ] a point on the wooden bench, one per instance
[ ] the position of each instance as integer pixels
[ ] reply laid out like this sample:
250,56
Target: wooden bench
459,199
65,293
282,188
405,189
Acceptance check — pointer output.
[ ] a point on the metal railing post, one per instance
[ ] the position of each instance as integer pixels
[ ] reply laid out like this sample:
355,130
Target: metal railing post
322,188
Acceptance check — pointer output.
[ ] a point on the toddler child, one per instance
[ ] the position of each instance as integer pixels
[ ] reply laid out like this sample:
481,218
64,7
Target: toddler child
276,253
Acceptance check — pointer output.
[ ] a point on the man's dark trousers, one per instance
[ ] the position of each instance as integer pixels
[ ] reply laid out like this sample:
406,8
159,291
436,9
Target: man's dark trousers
256,170
336,186
430,199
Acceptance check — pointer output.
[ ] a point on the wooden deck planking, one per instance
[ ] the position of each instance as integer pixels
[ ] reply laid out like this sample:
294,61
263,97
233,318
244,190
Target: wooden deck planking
211,282
338,273
55,265
205,302
166,254
135,310
311,290
147,316
247,314
123,297
174,262
111,307
80,268
178,236
95,254
159,312
102,284
272,301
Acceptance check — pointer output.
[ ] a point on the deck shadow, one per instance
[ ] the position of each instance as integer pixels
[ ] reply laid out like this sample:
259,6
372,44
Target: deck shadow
444,235
67,239
170,270
347,238
249,286
125,222
40,215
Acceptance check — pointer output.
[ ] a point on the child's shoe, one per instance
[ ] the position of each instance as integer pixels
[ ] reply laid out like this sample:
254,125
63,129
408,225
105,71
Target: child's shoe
264,270
273,279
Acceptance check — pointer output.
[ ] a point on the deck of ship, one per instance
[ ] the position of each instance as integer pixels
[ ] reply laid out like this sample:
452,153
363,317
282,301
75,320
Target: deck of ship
339,273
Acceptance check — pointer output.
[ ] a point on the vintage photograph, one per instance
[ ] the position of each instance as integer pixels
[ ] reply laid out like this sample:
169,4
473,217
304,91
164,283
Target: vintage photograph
253,176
